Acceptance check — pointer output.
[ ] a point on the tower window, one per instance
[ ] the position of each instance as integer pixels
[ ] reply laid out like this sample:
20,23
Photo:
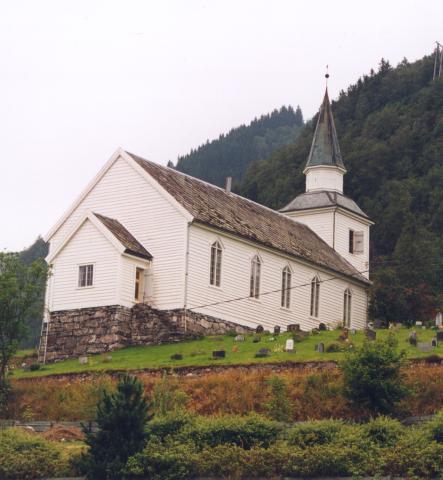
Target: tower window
286,287
315,296
347,299
254,286
215,269
356,244
85,275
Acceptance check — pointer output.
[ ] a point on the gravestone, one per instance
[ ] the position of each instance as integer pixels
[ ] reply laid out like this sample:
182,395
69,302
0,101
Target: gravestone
439,319
322,327
424,346
370,334
177,356
320,347
289,347
239,338
294,327
413,338
219,354
418,323
434,343
259,329
263,352
353,331
440,336
83,360
277,330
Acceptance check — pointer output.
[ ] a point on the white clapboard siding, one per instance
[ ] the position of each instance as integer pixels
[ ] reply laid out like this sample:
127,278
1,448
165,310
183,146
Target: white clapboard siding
322,223
344,223
324,178
127,281
235,277
123,194
88,245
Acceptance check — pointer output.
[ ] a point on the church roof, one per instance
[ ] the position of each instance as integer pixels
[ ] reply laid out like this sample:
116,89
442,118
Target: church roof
325,149
130,243
231,213
309,200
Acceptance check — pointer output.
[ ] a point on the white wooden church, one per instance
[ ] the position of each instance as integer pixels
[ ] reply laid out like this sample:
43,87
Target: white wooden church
144,233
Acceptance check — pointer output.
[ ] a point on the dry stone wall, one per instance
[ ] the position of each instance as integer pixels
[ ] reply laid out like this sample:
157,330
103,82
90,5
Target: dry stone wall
86,331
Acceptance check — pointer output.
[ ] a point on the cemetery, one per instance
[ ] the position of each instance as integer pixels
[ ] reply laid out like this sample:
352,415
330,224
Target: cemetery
295,345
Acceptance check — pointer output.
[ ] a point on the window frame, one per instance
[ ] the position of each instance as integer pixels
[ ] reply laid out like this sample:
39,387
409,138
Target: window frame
347,308
215,264
255,277
79,276
286,284
351,241
315,297
139,284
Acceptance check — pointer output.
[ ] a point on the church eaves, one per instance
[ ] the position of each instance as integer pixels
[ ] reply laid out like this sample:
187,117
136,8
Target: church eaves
325,149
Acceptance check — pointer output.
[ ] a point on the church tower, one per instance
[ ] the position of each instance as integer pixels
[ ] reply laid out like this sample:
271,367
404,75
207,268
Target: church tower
337,219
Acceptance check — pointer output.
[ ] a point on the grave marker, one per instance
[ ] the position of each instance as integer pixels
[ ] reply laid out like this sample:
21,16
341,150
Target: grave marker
289,347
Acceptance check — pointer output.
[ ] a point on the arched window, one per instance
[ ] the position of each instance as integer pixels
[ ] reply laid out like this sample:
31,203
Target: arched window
254,286
286,287
347,300
315,296
216,259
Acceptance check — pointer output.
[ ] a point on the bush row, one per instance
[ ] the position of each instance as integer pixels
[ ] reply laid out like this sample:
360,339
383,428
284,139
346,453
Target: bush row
182,446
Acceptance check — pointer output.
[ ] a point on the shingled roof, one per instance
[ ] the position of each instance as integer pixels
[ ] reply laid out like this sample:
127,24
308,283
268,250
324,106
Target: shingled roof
308,200
131,244
213,206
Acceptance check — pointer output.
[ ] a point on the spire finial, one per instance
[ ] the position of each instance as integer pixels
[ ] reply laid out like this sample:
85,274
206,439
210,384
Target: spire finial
327,75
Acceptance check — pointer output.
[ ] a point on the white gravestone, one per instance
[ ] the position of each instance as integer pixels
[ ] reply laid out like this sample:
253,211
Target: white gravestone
289,347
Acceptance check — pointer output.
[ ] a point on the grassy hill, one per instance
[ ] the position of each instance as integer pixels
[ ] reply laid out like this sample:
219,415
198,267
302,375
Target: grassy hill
199,353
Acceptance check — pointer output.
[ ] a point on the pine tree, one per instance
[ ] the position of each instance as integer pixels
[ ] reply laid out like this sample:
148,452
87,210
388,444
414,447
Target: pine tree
121,418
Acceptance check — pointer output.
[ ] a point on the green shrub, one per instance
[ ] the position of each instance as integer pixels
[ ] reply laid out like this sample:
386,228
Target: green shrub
24,456
174,461
317,432
372,375
34,367
167,397
435,428
168,425
384,431
280,405
242,431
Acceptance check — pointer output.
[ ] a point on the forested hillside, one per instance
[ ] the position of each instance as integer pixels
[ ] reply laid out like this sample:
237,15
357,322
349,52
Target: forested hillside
390,128
231,154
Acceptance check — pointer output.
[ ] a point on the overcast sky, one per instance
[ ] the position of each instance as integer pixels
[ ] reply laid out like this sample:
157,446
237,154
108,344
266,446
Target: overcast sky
80,78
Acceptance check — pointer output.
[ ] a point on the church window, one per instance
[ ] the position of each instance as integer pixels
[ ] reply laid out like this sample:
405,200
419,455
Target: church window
351,241
254,286
215,269
85,275
286,287
315,296
347,300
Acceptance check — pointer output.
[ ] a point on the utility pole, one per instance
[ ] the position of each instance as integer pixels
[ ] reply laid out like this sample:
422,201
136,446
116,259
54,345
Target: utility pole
438,62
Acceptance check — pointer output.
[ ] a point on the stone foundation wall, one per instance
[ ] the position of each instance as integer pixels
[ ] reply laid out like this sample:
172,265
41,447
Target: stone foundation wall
102,329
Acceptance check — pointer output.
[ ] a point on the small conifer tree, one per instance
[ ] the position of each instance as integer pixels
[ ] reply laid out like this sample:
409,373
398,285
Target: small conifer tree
121,418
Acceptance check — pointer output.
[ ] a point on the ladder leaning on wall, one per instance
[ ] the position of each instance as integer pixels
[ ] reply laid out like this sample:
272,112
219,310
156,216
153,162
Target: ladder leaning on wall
43,342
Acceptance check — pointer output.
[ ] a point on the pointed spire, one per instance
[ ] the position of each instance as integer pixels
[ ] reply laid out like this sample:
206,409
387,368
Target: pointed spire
325,149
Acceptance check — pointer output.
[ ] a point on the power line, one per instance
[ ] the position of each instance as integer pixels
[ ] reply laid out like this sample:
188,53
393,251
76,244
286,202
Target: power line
279,290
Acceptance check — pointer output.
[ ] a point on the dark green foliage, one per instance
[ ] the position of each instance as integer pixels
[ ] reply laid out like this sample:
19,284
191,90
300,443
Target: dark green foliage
372,375
390,128
122,418
231,154
242,431
384,431
20,287
436,428
315,433
280,405
37,251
